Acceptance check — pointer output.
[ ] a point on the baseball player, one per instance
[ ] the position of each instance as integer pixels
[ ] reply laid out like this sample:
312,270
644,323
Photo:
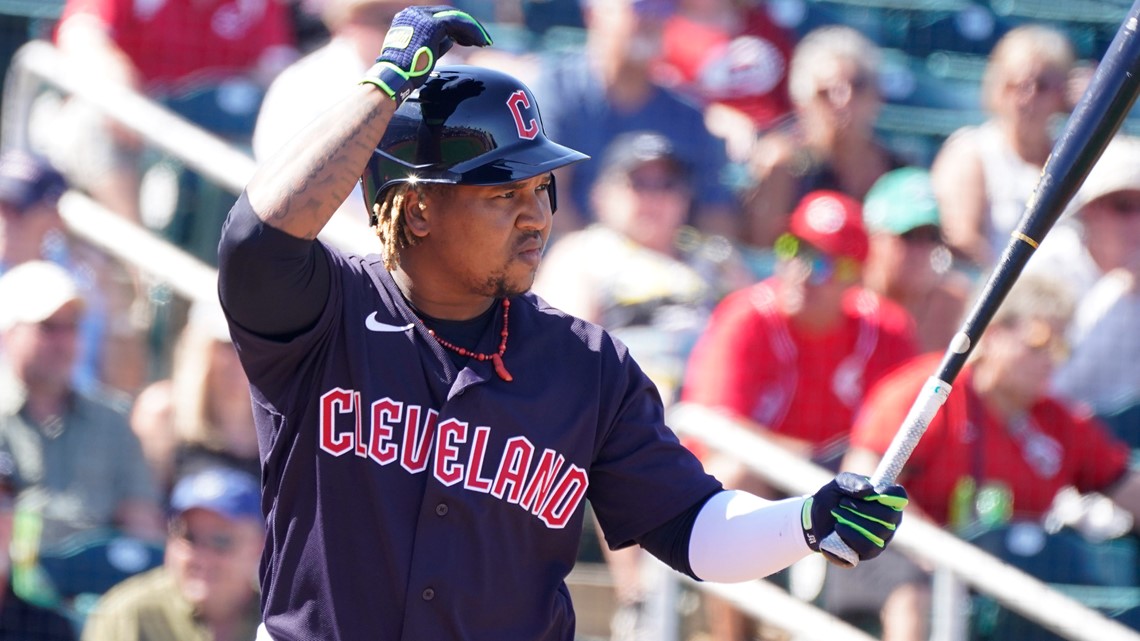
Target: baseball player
429,431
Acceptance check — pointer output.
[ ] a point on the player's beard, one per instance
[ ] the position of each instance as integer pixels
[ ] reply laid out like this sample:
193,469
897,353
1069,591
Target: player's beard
500,285
507,281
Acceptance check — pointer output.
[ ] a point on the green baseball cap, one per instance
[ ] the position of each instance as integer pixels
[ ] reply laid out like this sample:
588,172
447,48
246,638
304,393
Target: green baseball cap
899,201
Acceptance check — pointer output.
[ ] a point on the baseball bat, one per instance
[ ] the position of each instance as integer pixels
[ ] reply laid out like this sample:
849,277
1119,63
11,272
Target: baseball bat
1094,121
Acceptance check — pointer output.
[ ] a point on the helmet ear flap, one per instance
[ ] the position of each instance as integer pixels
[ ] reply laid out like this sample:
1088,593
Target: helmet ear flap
552,191
373,204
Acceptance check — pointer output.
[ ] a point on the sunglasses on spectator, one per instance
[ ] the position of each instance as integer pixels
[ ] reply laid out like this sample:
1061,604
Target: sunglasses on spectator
925,235
1038,336
57,328
1123,204
853,86
216,542
821,267
1041,83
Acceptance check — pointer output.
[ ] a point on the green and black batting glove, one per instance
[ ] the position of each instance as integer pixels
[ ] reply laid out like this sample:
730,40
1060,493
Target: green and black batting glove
865,518
415,41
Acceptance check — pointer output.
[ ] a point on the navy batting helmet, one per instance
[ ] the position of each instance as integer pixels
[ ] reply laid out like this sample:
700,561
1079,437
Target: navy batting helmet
465,126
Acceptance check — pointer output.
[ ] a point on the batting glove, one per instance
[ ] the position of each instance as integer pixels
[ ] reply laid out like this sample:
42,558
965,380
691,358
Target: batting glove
864,518
415,41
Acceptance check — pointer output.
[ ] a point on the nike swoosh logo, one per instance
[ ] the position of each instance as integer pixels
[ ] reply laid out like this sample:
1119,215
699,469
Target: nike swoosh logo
376,326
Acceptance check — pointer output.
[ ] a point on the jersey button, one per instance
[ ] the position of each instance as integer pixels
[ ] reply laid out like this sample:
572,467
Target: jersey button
428,594
441,509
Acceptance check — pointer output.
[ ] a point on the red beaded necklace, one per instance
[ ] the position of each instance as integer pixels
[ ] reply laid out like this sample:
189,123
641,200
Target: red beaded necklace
495,358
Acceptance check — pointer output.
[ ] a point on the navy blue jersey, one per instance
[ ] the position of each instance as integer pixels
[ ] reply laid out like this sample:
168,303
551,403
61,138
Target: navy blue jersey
407,500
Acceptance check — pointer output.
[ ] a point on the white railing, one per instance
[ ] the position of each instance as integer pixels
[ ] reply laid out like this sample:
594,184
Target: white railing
918,538
38,65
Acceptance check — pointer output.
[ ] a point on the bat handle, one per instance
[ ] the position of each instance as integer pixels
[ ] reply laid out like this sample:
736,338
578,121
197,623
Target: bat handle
934,393
838,552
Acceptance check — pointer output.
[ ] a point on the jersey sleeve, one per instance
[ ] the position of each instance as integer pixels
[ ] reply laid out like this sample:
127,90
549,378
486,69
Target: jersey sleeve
640,462
720,370
270,283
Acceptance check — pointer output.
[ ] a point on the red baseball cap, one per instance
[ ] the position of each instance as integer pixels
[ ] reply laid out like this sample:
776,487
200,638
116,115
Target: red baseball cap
831,222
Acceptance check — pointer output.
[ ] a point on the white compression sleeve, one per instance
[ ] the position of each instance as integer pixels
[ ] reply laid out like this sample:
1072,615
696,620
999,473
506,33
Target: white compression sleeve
739,536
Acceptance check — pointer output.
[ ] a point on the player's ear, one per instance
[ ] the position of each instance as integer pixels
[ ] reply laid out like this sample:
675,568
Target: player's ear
417,214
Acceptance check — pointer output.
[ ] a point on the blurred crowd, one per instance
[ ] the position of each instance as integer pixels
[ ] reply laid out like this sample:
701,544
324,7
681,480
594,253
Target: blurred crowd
744,225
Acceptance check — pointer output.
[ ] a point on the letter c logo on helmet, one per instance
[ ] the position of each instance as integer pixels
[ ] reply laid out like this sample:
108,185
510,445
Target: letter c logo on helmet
454,130
517,102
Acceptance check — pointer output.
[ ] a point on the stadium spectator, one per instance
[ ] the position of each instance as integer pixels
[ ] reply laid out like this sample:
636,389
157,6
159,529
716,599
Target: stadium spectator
608,89
79,465
824,341
152,421
208,60
732,58
19,619
206,588
639,271
983,175
907,261
29,221
112,354
1096,252
830,144
201,415
211,407
1000,448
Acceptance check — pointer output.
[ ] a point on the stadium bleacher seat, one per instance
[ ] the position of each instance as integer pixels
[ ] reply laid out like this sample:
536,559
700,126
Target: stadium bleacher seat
1100,574
921,106
972,30
1125,424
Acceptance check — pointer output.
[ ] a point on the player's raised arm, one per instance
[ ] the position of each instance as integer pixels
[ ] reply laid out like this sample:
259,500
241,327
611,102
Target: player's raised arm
300,187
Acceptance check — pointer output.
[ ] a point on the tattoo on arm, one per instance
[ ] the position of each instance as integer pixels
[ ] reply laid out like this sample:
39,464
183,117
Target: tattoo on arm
299,189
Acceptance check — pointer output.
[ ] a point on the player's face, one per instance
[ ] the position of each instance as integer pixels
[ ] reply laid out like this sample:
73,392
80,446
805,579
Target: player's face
488,240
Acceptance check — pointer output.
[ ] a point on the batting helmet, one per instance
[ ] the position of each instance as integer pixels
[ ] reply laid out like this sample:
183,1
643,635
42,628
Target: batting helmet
465,126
